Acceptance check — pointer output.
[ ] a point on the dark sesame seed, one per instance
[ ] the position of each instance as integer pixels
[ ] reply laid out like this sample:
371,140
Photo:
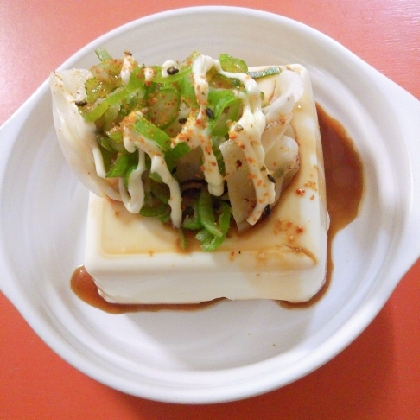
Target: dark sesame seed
271,178
209,113
238,127
182,120
81,103
172,70
267,210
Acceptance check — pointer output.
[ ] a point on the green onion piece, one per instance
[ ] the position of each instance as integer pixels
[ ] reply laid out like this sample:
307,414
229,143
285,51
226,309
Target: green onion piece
224,225
103,54
187,91
154,211
165,217
173,77
159,190
108,154
206,215
232,65
113,99
149,130
204,235
225,107
225,216
105,143
264,73
217,141
193,223
183,237
107,121
123,165
212,245
117,97
115,139
172,155
164,106
220,81
136,79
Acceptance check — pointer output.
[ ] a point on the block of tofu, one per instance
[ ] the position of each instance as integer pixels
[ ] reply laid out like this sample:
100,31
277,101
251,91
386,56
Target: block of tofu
133,259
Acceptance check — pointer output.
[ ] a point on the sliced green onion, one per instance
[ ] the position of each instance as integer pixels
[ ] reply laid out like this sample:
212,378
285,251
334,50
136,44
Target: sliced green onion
164,106
224,225
264,73
173,77
115,139
225,216
159,190
172,155
226,107
187,91
103,54
232,65
206,214
135,86
136,79
123,164
183,237
191,224
105,143
165,217
204,235
149,130
154,211
108,155
112,99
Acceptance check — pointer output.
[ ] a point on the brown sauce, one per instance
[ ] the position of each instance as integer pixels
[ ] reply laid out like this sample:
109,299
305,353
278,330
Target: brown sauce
344,181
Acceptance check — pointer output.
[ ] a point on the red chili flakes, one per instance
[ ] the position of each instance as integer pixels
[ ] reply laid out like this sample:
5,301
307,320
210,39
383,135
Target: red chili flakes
300,191
310,184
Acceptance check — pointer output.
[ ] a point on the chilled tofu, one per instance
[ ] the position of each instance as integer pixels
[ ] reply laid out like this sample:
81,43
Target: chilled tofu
134,259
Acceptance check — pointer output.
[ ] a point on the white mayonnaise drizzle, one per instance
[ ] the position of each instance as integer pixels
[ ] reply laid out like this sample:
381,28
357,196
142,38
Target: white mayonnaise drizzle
133,198
134,141
166,65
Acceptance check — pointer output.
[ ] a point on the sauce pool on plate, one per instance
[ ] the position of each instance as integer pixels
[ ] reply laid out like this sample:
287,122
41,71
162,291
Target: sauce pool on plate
344,181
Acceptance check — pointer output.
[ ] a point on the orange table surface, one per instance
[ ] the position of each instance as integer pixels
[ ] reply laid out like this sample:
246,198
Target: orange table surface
376,377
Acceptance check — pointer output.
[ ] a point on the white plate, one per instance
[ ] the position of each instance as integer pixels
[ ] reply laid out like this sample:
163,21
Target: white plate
234,349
